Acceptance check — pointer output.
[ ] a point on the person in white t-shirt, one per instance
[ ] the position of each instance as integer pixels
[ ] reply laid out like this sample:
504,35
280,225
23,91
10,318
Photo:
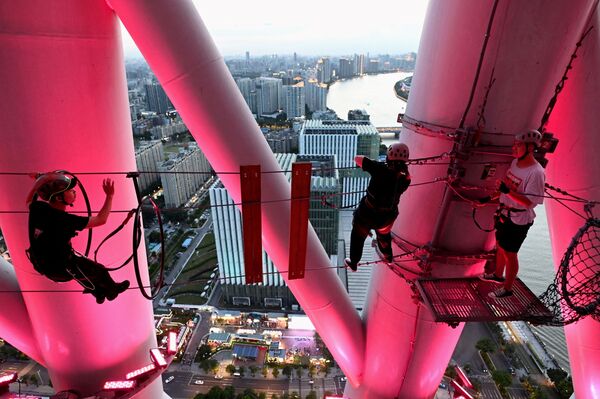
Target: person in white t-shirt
521,189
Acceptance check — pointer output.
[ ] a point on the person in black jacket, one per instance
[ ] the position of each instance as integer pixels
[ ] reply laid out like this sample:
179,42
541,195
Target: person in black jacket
378,209
51,229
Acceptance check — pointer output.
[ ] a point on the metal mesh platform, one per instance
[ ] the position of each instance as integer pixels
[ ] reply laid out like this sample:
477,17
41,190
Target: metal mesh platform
466,299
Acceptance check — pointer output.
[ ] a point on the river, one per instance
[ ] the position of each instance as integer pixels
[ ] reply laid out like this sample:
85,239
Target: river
375,94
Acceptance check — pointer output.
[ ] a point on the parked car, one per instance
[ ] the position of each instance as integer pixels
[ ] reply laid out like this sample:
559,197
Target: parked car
171,378
199,382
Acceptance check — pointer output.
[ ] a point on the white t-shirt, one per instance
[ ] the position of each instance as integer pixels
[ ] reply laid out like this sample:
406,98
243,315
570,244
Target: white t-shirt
529,181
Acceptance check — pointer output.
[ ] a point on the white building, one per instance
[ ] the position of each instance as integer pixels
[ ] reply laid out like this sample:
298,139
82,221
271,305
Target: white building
248,90
182,175
269,95
147,156
294,101
227,224
316,95
339,138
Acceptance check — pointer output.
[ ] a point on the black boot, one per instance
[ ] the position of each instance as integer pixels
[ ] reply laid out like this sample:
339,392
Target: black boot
117,289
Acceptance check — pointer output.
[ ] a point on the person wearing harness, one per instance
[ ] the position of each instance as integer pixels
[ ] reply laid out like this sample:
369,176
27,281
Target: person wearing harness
378,209
51,229
521,189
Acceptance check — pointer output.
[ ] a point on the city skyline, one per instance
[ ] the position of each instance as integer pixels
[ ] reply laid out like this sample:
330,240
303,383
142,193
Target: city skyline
381,28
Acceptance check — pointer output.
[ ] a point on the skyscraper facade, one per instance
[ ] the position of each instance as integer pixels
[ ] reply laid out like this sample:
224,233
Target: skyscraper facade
294,101
157,99
148,155
182,175
339,138
248,90
269,95
324,70
347,68
316,95
227,224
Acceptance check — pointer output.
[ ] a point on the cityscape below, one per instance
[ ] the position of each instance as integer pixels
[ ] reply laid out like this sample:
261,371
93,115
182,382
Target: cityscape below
253,339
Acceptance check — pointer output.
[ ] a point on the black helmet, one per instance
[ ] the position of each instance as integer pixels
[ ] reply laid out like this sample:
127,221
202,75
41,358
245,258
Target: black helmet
49,185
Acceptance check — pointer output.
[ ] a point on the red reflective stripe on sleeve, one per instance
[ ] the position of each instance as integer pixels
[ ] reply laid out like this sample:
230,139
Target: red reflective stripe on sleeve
301,174
251,223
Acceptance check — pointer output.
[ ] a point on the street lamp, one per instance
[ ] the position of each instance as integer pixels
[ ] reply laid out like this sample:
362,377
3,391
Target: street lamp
19,380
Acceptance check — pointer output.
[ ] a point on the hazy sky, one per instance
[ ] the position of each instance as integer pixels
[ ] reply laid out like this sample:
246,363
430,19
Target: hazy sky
310,27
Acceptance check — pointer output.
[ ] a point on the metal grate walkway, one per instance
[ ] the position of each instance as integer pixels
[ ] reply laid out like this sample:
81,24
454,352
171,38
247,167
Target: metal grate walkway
466,299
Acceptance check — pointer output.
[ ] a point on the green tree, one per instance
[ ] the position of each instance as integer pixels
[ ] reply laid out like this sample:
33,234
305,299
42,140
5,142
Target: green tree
311,395
299,372
203,353
287,370
214,365
253,370
312,369
275,372
502,378
565,388
201,396
556,375
230,369
228,392
262,395
215,393
242,370
294,395
265,371
485,345
275,396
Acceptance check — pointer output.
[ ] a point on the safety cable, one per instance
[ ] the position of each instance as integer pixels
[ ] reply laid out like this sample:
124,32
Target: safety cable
479,64
561,84
223,279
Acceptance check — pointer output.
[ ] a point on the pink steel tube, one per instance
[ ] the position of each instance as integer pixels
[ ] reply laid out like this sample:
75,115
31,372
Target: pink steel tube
180,51
15,326
574,167
65,106
453,35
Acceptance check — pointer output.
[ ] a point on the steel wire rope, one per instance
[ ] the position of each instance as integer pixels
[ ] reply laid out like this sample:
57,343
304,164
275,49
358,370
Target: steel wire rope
225,279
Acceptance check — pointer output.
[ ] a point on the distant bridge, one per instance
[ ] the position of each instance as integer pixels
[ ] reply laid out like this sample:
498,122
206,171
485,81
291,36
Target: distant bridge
390,130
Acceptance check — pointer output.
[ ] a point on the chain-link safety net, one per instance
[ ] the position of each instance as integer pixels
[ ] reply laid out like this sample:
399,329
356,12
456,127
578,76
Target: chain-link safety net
575,292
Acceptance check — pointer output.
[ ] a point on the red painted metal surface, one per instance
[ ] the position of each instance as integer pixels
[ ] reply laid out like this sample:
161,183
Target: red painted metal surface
301,176
251,222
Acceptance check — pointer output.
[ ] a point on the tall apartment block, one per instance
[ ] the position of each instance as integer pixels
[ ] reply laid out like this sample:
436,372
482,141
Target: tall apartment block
227,222
148,155
316,95
294,101
183,174
157,99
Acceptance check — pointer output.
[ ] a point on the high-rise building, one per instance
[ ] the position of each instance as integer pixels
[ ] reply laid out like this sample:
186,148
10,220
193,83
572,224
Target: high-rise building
360,64
282,141
269,95
182,175
248,90
294,100
227,224
344,139
148,155
325,185
157,99
324,70
316,95
347,68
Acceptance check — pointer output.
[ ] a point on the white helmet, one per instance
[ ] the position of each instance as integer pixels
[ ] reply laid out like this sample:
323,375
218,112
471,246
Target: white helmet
532,136
397,152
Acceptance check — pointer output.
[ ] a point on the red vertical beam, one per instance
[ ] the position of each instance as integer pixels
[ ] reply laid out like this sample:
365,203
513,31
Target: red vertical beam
251,223
301,173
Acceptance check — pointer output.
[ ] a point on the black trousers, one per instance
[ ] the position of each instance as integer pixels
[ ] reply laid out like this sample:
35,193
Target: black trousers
365,219
91,275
